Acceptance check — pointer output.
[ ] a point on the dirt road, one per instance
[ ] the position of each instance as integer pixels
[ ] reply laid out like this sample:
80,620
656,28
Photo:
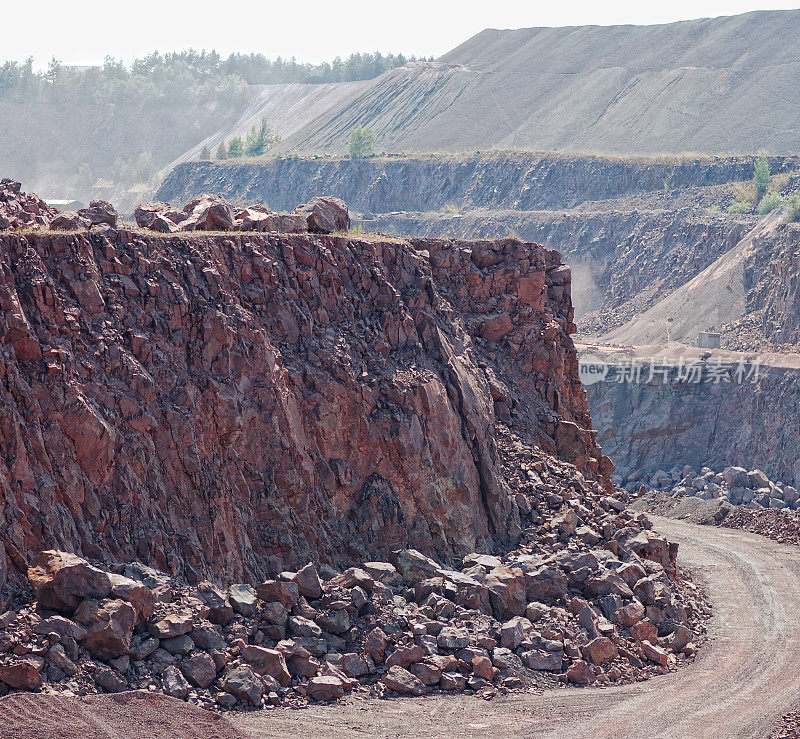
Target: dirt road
743,680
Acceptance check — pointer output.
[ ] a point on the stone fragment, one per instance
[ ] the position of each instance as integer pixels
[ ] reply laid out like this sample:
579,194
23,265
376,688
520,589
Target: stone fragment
62,580
402,681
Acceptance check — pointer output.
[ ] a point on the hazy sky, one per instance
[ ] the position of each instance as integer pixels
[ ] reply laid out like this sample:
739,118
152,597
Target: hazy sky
85,31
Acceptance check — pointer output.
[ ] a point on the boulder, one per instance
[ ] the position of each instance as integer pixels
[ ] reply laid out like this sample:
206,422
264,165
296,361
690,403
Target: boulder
325,688
375,644
207,213
405,656
219,608
110,629
308,582
600,650
22,674
100,212
174,683
243,599
267,662
580,673
402,681
514,632
545,583
62,580
325,215
654,653
173,624
242,682
61,626
507,592
199,669
736,477
69,220
451,637
539,659
286,593
133,592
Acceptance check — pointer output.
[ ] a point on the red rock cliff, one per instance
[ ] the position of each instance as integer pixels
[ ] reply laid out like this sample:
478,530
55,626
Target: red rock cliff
232,405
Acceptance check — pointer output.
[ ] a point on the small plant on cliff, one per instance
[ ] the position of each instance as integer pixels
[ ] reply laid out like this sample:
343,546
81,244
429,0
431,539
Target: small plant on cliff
222,151
205,154
362,143
761,175
260,139
235,147
769,202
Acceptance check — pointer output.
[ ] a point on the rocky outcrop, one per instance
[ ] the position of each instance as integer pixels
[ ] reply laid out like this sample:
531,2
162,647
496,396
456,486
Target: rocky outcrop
236,405
651,425
591,595
508,180
22,210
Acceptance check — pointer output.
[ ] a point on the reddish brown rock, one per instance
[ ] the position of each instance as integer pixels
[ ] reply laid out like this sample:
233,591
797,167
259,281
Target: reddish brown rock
110,629
62,580
172,625
629,614
655,653
600,650
324,688
207,213
405,656
580,673
267,662
164,375
135,593
402,681
23,674
325,215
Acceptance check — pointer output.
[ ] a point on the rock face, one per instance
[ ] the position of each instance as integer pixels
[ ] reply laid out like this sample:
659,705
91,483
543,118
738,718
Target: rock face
232,405
508,180
650,427
22,210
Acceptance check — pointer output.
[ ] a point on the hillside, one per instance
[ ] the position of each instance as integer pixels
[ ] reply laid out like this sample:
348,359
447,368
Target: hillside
721,85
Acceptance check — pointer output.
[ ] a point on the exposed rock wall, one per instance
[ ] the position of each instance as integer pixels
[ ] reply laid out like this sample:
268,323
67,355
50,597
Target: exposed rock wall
652,426
234,405
516,180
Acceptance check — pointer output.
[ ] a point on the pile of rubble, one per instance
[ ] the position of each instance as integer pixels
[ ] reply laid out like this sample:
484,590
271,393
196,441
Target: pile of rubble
591,595
214,213
734,485
21,210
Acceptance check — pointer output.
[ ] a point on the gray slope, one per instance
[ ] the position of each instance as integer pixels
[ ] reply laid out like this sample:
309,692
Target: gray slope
712,298
723,85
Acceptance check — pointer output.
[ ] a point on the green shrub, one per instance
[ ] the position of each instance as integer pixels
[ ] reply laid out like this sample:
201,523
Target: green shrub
739,207
769,202
761,175
235,147
793,203
260,139
205,154
362,143
222,151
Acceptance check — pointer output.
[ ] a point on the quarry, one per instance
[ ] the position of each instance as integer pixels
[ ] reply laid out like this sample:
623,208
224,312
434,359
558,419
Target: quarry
490,430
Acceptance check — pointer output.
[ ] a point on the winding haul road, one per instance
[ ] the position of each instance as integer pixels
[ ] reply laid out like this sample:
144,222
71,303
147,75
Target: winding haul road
744,679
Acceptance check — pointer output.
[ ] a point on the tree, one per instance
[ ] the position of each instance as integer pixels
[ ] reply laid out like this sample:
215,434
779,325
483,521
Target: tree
362,143
235,147
260,139
205,154
222,151
761,176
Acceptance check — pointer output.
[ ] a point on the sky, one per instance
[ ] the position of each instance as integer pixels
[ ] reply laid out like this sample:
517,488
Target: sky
86,31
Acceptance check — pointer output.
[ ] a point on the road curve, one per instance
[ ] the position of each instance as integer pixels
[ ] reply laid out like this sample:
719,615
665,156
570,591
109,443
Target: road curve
744,679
